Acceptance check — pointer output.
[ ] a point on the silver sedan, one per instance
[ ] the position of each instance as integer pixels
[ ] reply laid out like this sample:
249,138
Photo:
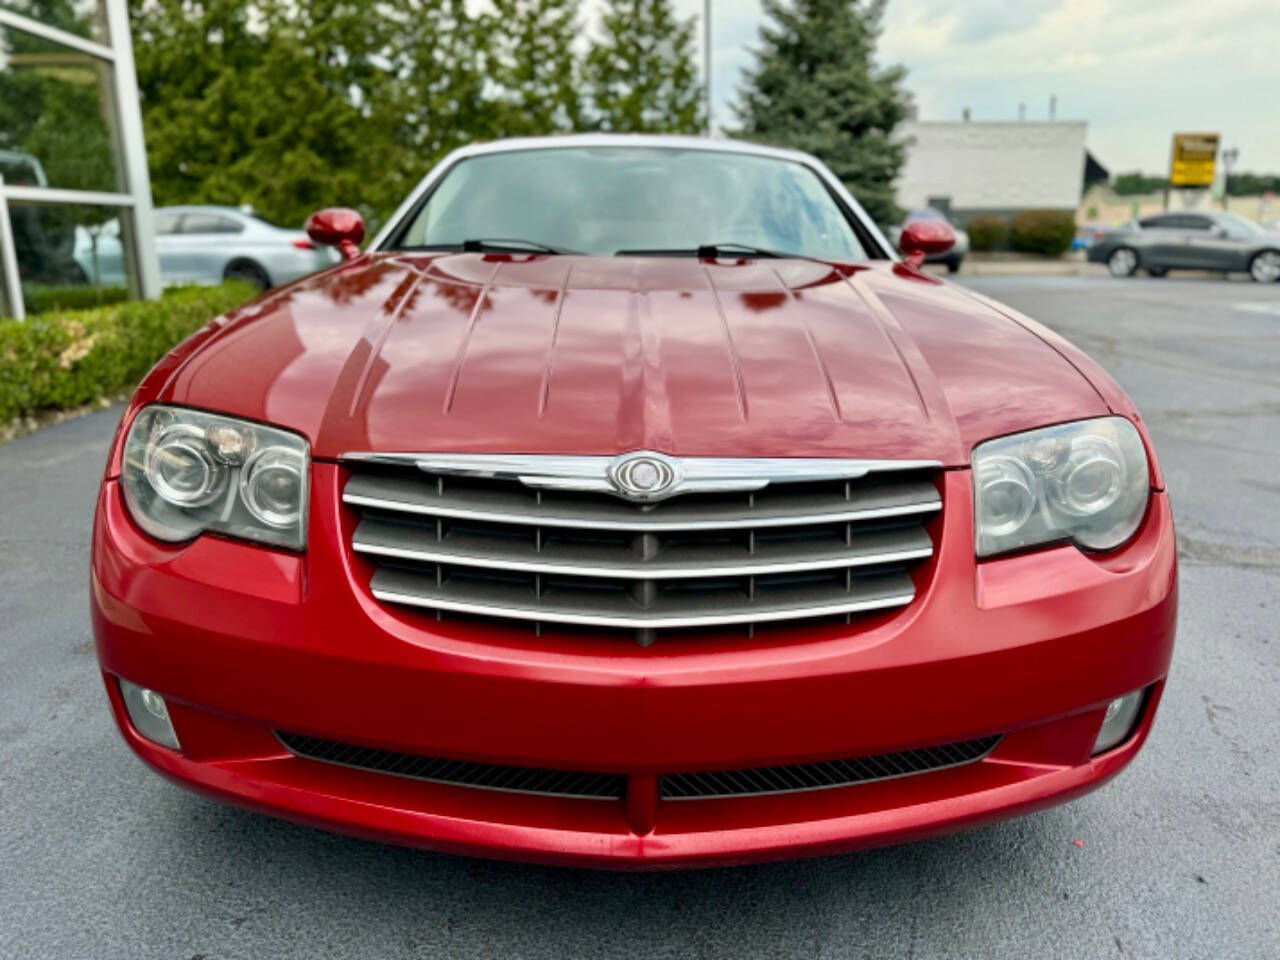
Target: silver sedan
205,244
1190,240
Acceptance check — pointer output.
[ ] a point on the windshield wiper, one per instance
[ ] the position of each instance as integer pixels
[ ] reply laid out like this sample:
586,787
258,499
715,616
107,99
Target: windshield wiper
494,245
710,251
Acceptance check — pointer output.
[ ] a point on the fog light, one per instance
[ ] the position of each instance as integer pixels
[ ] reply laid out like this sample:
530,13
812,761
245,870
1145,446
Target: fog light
1117,723
148,713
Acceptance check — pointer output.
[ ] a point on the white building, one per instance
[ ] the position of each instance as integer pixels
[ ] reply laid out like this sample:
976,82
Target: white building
972,168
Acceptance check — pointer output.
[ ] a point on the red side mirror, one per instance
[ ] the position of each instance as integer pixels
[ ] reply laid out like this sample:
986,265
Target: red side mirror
920,238
337,227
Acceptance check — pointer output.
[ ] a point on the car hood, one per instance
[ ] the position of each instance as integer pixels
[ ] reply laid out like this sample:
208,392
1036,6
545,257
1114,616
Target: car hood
538,354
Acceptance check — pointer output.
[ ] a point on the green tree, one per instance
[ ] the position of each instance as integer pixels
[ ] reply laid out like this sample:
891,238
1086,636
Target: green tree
1135,183
815,86
641,76
533,69
288,107
441,93
1252,184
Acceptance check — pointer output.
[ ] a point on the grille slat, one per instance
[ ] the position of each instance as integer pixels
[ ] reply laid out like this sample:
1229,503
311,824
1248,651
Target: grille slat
586,607
687,560
412,494
795,778
796,547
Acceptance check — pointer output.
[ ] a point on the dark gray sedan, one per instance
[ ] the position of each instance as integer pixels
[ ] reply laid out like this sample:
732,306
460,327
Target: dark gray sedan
1190,240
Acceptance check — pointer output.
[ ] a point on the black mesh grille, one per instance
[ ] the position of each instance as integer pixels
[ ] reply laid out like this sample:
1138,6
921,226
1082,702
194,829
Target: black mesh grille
558,783
611,786
818,776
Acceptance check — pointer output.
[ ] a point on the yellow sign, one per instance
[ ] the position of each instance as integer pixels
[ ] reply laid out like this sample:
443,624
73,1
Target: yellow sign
1194,155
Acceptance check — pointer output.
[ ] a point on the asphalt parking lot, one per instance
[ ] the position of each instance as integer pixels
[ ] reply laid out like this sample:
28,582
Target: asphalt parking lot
1178,858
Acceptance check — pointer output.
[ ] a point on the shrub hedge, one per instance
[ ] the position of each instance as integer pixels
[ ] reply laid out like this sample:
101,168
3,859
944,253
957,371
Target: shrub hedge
64,359
987,232
1047,232
48,299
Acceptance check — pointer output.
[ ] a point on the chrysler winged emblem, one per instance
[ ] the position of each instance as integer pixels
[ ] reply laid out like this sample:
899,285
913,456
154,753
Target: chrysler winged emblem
644,476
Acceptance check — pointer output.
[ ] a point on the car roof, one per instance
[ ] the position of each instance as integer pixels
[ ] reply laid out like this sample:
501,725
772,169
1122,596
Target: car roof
643,140
1211,214
205,208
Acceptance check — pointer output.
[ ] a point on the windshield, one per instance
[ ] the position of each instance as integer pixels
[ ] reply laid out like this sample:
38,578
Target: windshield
18,171
1239,226
603,200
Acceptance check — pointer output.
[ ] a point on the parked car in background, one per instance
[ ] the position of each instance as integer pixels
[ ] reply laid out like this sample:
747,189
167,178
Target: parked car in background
21,169
44,237
954,257
206,244
630,503
1195,240
1087,235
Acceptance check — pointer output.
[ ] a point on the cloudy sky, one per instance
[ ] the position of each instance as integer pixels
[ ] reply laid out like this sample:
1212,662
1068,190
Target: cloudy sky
1136,70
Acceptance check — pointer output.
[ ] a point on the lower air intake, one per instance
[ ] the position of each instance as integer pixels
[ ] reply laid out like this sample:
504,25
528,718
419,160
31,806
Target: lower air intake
792,778
487,776
818,776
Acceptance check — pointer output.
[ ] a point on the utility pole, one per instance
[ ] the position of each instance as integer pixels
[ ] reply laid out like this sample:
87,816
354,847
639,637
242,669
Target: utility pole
1229,158
706,60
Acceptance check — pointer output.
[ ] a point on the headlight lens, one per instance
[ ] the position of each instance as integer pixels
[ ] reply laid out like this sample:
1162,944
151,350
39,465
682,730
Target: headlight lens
1085,481
187,472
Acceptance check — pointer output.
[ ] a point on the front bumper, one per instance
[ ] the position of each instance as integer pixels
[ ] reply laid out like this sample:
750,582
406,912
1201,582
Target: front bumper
244,641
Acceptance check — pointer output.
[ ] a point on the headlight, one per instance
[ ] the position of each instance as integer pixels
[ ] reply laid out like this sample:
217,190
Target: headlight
188,472
1085,481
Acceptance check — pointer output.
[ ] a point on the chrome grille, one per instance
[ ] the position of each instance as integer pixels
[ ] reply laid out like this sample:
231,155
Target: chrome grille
516,547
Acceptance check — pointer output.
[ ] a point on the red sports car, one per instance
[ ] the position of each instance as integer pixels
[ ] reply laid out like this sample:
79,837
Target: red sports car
630,503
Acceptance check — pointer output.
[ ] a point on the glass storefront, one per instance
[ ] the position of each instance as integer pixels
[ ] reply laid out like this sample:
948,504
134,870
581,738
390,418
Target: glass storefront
60,247
75,201
54,115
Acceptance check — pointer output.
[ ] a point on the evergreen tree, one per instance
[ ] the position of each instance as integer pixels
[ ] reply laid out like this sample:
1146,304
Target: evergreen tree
642,76
291,106
815,87
286,107
442,95
533,70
